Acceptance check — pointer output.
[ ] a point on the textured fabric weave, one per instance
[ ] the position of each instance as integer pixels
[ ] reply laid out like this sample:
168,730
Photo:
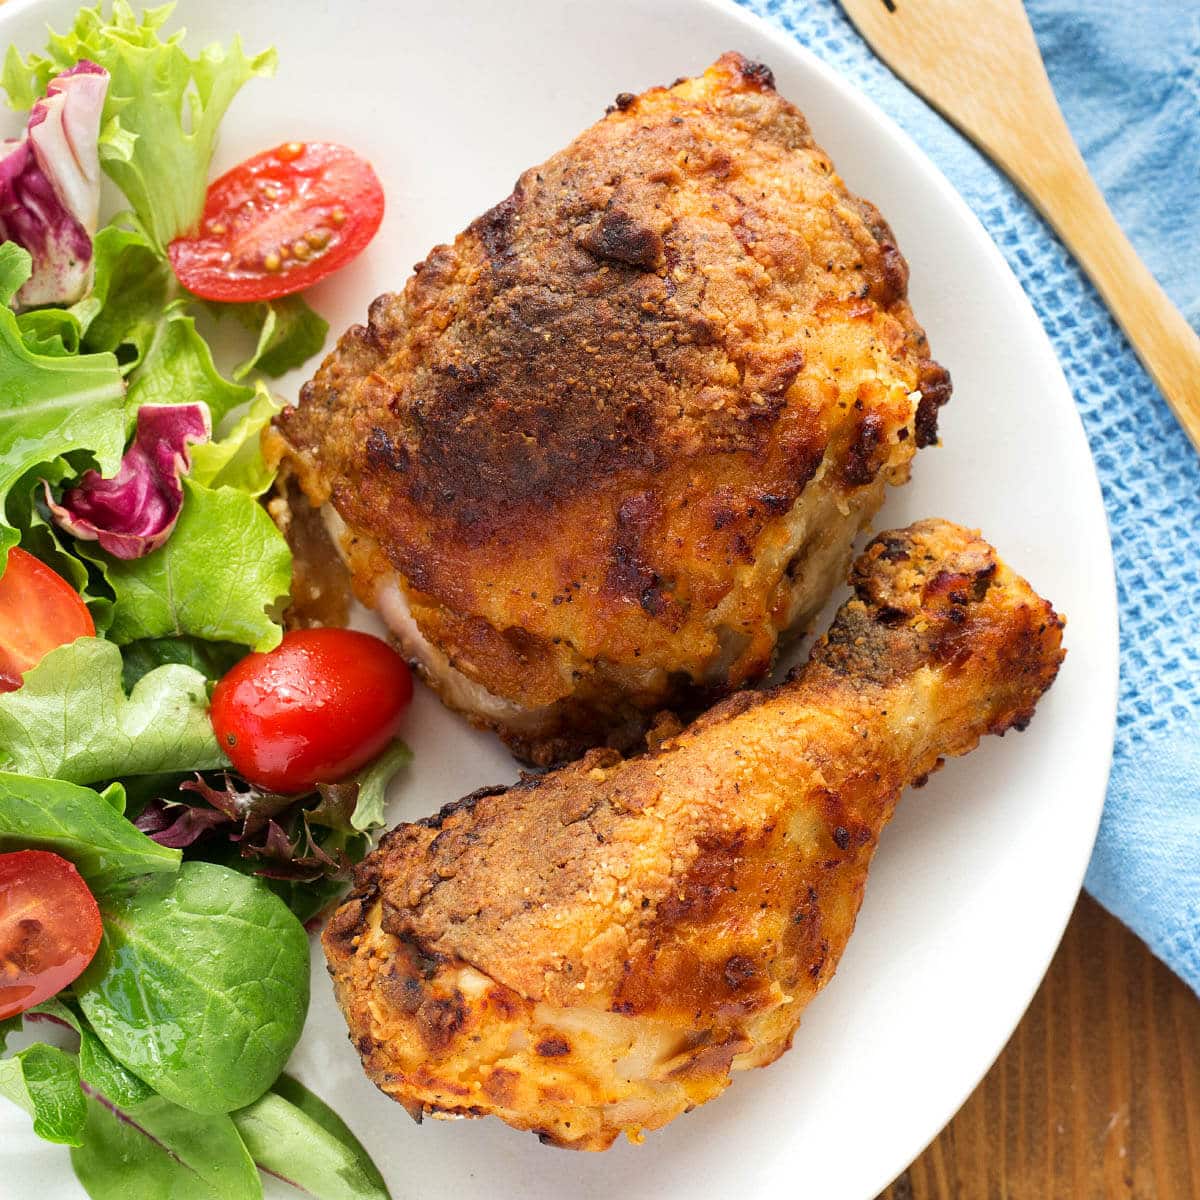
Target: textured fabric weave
1128,78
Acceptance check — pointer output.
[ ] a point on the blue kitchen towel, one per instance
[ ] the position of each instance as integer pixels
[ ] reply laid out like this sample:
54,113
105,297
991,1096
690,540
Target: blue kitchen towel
1128,78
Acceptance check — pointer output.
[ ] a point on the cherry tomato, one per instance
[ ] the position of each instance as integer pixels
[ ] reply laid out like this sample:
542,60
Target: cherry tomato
49,928
38,611
279,222
316,708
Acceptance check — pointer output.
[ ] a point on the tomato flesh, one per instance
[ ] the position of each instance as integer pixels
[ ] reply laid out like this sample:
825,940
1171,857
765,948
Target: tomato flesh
39,610
49,928
279,222
320,705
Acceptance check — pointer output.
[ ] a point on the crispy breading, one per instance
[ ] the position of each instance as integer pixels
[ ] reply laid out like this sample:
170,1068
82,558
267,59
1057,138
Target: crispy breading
611,445
597,949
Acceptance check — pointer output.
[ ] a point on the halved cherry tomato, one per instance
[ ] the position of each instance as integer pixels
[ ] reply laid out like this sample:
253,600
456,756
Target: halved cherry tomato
316,708
38,611
280,221
49,928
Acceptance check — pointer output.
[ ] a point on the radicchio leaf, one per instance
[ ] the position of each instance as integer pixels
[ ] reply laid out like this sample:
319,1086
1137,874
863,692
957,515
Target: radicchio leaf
134,512
50,186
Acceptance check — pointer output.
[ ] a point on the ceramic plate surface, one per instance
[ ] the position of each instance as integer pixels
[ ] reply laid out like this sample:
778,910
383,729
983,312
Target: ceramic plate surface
975,878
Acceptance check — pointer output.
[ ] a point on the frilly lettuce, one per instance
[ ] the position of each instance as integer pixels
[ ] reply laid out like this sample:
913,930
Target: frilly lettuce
216,575
50,186
50,405
134,512
130,293
235,460
162,111
178,368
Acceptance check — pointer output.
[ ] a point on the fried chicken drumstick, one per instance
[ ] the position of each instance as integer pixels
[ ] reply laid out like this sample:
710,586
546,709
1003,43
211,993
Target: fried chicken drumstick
613,444
597,949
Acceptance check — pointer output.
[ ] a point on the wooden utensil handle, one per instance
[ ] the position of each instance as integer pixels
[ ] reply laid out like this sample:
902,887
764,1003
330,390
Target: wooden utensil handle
1062,188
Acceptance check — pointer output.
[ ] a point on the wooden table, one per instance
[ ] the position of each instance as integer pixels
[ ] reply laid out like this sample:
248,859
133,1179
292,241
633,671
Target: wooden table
1097,1095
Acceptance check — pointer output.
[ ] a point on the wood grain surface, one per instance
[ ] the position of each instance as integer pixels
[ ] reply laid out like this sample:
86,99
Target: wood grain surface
1097,1095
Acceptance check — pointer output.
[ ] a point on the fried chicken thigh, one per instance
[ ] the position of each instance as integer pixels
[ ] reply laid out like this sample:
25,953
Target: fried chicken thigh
610,446
598,949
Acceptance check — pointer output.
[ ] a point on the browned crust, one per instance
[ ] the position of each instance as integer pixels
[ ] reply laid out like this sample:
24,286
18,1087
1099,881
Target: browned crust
582,426
707,888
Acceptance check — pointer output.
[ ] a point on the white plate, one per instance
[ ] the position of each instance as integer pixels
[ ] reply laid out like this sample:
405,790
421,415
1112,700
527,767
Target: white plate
977,875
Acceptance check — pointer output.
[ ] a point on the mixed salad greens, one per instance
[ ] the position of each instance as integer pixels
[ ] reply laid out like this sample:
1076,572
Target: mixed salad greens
132,531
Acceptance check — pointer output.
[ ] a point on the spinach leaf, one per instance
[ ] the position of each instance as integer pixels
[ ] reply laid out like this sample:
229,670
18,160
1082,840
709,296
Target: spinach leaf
82,826
158,1151
211,659
71,719
214,578
44,1081
373,784
305,898
200,986
97,1068
296,1136
50,405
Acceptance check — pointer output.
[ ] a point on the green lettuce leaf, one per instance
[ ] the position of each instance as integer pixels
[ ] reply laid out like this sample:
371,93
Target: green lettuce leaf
133,286
81,825
162,111
53,331
15,268
44,1081
373,783
236,460
178,369
222,567
158,1151
50,405
294,1135
44,540
289,334
72,720
211,659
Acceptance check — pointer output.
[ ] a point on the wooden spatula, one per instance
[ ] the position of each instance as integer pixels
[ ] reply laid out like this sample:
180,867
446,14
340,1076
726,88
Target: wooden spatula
978,64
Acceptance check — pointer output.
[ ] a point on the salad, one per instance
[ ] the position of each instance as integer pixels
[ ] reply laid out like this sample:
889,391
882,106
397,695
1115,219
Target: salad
184,782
